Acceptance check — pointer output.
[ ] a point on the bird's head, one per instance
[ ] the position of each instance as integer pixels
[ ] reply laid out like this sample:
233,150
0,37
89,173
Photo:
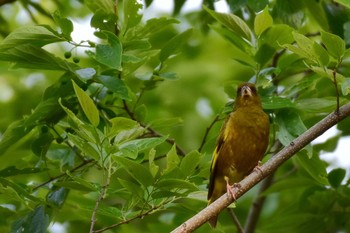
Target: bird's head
247,95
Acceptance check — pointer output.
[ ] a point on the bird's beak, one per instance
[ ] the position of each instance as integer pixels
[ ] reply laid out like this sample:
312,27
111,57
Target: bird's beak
246,91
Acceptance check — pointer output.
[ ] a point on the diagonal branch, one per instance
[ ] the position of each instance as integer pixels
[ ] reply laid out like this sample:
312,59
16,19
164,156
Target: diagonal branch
265,170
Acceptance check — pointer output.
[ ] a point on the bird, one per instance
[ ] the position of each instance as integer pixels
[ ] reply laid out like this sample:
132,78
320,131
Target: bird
241,144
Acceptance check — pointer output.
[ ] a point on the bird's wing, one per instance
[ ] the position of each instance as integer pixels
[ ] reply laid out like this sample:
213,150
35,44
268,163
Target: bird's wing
213,167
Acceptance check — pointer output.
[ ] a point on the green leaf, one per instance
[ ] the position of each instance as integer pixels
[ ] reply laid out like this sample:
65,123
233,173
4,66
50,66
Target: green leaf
276,102
232,22
106,6
20,190
334,44
314,166
133,188
37,36
65,24
277,35
345,3
239,42
119,124
33,57
13,171
177,184
41,144
173,160
291,183
173,46
76,186
143,143
87,105
36,221
153,168
264,54
135,170
110,54
290,127
190,162
336,176
155,25
345,86
86,147
131,16
262,21
321,54
116,85
316,105
57,196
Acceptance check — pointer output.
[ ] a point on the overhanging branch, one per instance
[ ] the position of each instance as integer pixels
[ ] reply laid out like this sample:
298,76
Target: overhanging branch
266,169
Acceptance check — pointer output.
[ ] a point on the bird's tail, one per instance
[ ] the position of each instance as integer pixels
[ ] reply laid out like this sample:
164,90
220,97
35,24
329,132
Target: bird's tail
213,221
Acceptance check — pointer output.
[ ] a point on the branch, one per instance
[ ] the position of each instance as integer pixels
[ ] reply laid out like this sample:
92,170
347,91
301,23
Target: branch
130,219
235,220
265,170
63,174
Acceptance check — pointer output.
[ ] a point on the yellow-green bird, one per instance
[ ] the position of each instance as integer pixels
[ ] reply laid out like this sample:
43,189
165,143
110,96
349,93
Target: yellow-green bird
241,144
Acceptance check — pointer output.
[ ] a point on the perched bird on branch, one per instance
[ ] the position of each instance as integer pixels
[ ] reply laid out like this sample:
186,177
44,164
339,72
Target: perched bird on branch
241,144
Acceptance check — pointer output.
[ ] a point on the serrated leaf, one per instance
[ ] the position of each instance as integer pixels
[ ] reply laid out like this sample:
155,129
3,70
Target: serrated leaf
173,46
116,85
232,22
88,106
190,162
262,21
334,44
135,170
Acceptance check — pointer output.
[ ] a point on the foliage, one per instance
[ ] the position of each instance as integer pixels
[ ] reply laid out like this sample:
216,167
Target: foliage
113,135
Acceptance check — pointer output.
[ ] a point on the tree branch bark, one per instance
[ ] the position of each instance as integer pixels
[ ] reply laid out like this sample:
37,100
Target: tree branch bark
265,170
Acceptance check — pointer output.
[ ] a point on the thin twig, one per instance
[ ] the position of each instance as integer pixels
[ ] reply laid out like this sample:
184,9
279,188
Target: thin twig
265,170
100,198
235,220
63,174
207,130
155,208
336,88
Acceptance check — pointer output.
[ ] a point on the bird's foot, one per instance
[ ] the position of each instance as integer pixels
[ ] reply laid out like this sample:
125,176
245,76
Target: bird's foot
230,187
